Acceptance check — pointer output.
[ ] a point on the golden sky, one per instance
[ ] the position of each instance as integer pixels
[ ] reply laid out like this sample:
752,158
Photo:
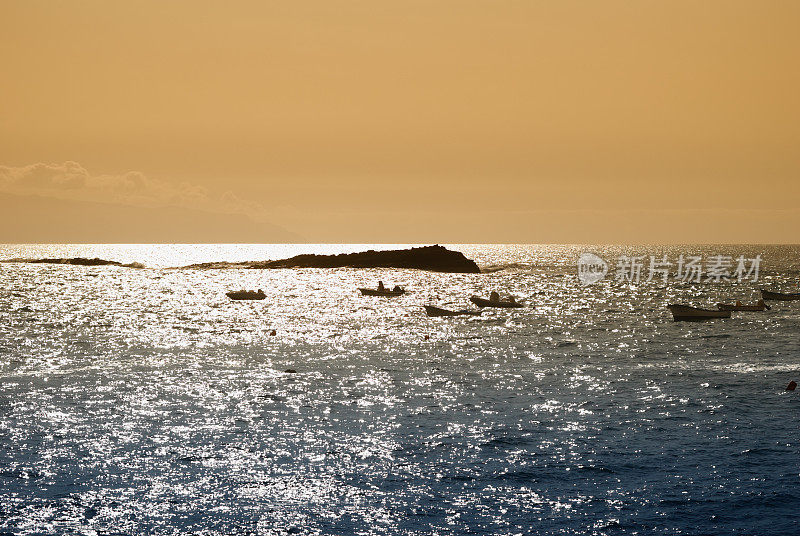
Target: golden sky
412,121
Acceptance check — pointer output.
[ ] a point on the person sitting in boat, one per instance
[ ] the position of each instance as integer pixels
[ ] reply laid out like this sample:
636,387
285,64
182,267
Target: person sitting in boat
397,289
494,296
511,299
380,286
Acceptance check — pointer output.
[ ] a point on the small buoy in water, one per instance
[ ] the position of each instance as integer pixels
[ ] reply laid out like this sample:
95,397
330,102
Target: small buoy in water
273,333
792,386
290,371
427,337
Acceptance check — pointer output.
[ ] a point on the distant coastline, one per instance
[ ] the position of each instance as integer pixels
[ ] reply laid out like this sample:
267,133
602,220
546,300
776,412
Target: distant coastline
76,261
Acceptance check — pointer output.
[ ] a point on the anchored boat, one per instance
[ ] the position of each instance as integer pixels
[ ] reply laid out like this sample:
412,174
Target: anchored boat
387,293
246,294
686,313
505,304
760,306
430,310
779,296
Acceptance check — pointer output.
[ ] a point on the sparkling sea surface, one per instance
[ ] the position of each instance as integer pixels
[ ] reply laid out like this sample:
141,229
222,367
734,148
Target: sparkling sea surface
144,401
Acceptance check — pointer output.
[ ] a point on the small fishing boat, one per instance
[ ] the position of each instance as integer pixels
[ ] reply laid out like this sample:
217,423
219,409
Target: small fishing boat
505,304
387,293
246,294
759,306
686,313
430,310
779,296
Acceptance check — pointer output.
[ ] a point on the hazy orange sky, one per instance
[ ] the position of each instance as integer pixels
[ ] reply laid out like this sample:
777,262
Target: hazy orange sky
406,121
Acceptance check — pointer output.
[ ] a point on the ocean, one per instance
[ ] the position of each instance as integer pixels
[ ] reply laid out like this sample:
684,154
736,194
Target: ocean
144,401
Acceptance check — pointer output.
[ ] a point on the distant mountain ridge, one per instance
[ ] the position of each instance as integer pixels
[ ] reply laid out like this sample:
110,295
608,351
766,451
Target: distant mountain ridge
37,219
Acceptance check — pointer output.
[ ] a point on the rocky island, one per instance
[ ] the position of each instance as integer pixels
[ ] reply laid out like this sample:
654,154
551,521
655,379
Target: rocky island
77,261
432,258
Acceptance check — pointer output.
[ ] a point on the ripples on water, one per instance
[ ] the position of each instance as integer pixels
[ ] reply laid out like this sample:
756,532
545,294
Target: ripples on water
146,402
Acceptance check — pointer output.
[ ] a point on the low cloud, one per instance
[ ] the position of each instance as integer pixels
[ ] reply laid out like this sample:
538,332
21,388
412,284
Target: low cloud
70,180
